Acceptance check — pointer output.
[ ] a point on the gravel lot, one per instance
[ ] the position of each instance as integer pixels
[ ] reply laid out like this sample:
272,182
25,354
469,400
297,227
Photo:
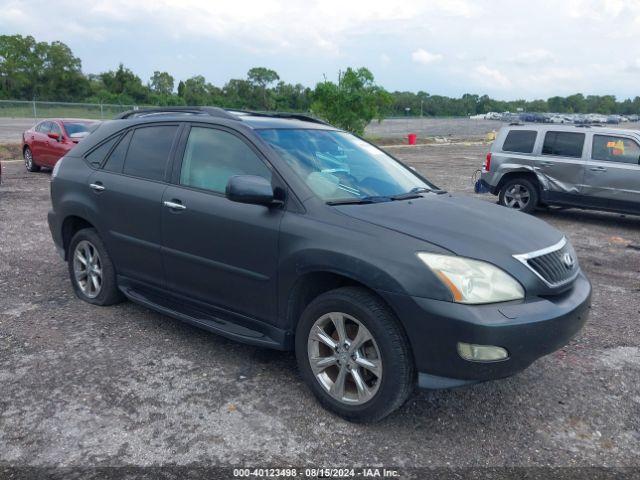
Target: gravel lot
90,386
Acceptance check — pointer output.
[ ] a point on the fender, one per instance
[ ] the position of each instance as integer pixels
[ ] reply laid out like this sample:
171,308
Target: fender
307,261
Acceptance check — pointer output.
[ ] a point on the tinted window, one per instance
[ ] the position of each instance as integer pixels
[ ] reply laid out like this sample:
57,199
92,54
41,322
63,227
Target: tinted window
55,128
116,159
96,156
149,151
520,141
615,149
43,127
212,156
564,144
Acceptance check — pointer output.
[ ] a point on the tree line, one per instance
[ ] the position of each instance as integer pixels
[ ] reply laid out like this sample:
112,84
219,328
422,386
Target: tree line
51,72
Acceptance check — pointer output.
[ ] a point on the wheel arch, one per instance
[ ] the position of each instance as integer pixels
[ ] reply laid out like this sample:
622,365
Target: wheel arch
311,284
527,174
70,226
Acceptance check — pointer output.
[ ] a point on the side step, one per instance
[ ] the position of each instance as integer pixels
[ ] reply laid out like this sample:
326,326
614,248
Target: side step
205,320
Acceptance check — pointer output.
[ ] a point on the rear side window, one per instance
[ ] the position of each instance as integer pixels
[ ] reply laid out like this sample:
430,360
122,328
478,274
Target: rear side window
43,127
520,141
615,149
97,155
149,151
212,156
116,159
563,144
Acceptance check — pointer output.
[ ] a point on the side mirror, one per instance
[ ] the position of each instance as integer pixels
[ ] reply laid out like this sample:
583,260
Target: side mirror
250,189
55,136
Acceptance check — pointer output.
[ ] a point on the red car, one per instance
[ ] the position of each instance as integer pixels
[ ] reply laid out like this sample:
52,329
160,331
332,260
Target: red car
49,140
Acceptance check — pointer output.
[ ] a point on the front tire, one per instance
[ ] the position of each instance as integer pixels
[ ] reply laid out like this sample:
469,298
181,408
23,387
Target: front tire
92,273
519,194
354,355
29,163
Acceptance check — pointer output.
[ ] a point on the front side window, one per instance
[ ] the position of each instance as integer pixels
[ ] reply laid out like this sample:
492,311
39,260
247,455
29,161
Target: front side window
520,141
615,149
149,151
563,144
55,128
212,156
339,166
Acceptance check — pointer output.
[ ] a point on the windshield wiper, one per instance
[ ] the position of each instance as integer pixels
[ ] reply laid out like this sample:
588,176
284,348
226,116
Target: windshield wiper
359,201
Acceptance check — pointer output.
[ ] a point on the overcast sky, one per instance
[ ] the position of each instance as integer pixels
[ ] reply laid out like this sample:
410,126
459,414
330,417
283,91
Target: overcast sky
505,48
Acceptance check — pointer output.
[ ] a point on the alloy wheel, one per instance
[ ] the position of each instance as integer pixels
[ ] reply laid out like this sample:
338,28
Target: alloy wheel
87,269
28,159
344,358
517,196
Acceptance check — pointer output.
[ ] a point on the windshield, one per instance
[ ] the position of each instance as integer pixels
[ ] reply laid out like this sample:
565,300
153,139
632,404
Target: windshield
339,166
79,127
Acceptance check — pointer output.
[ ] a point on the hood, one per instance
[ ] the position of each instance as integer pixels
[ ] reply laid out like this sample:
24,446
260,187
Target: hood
465,226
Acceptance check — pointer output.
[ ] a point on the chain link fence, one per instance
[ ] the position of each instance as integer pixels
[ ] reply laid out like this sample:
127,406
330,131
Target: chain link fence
38,110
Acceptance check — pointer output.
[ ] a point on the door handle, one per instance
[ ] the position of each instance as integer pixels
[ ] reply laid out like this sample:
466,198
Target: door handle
98,187
176,205
598,169
547,164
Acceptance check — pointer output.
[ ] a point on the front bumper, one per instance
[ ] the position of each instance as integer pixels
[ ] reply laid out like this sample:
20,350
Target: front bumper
528,330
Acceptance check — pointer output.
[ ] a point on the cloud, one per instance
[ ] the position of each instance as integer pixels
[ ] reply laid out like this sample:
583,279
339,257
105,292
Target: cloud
493,47
534,57
424,57
491,77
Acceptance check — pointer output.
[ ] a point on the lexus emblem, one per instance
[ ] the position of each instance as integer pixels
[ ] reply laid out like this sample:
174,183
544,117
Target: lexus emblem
568,261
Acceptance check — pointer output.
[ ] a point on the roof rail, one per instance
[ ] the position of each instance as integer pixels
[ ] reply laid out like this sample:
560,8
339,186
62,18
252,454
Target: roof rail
514,124
143,112
293,115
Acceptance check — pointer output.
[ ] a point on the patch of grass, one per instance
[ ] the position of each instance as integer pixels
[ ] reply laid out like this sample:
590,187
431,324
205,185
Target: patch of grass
10,151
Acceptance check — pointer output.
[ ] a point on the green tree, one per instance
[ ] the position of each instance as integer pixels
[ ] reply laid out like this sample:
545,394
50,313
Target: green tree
351,103
161,83
261,78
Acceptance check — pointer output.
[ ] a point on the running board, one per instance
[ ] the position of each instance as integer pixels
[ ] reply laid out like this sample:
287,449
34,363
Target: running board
201,319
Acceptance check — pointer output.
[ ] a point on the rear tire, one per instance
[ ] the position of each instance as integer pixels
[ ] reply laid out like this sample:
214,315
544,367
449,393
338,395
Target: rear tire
92,273
519,194
29,163
371,355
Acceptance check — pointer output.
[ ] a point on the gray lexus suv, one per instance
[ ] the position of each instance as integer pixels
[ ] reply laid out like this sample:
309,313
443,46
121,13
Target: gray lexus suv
575,166
284,232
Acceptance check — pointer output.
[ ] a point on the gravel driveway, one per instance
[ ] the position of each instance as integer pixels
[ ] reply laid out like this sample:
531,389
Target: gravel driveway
89,386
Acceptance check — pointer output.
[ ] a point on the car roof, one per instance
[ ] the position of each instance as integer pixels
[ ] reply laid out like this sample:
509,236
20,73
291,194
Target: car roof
253,120
212,115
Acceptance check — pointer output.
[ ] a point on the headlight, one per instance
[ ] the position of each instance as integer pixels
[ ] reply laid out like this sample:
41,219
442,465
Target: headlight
473,281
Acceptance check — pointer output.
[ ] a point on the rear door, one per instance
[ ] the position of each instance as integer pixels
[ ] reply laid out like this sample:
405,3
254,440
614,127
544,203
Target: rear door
220,252
128,191
561,164
39,142
612,174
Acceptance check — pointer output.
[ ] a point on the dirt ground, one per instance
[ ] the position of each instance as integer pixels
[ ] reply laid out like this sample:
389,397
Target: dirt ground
89,386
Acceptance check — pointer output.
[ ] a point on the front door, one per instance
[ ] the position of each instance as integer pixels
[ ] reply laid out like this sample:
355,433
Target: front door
214,250
612,174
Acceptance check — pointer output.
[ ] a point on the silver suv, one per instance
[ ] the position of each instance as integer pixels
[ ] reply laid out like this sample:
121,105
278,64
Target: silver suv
574,166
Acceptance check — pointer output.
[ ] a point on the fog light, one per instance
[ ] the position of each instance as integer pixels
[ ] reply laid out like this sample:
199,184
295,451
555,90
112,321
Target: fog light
481,353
